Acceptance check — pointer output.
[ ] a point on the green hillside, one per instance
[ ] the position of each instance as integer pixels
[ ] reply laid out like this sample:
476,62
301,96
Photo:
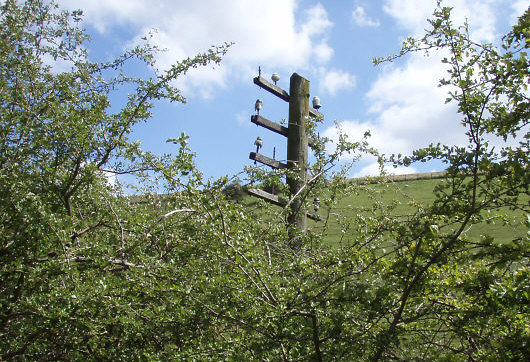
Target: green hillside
407,196
399,199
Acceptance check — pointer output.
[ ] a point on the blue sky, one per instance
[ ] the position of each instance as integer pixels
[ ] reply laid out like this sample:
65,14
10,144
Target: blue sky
331,43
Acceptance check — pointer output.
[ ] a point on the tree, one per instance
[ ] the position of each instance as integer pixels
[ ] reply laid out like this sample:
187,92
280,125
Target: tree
472,290
183,272
66,235
413,286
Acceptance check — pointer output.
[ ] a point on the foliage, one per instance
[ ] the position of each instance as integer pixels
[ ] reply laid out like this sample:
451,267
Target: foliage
470,319
65,232
90,274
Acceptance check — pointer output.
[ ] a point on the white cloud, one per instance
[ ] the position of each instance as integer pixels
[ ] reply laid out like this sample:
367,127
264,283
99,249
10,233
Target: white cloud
519,7
317,20
323,52
407,106
188,27
333,81
407,110
360,17
372,169
412,15
58,65
242,118
106,14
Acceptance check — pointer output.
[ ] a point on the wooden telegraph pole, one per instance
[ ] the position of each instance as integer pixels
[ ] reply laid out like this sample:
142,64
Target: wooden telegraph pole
297,149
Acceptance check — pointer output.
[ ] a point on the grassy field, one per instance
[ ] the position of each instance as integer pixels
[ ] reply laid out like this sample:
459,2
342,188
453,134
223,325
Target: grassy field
405,196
